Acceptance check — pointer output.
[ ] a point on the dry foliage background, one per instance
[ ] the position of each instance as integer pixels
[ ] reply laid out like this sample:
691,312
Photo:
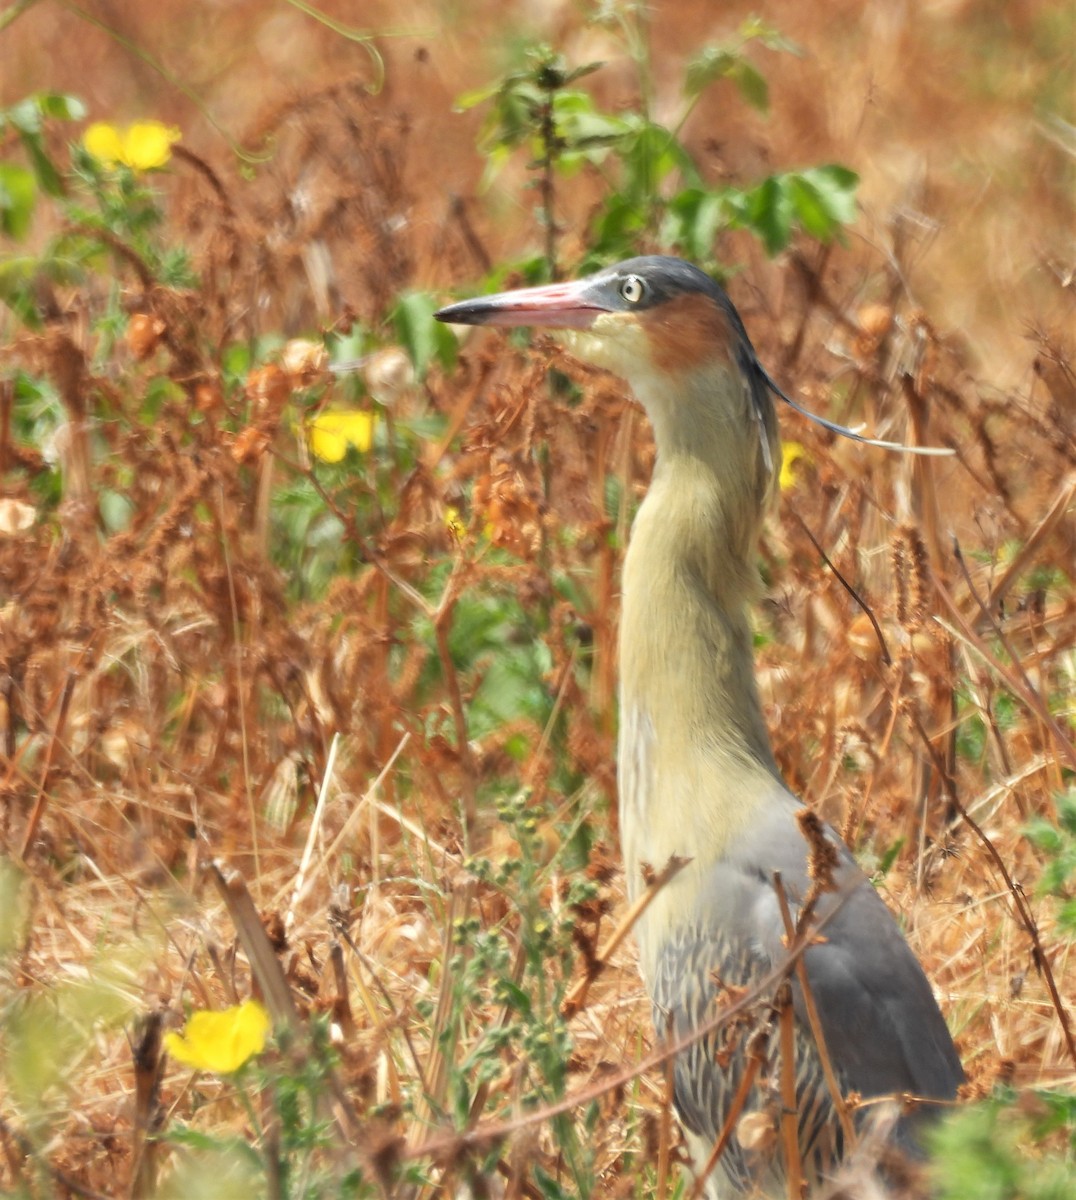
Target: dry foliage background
172,683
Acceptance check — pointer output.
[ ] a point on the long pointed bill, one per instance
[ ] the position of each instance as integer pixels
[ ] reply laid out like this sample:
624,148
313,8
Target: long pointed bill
576,305
555,306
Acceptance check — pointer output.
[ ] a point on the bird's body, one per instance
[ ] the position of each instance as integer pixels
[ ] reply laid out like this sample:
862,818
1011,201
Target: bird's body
696,774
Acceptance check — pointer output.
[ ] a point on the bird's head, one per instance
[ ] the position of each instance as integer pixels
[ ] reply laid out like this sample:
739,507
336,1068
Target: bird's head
661,324
672,333
645,315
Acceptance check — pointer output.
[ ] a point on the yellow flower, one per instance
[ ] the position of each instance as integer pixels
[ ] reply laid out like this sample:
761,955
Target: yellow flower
148,144
454,524
791,452
104,143
330,433
141,146
220,1042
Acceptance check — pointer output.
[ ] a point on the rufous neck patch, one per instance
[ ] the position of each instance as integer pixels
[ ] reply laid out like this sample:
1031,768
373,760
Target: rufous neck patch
687,332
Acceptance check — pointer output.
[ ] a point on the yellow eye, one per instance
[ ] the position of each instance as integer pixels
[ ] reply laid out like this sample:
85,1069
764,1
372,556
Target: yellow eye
632,289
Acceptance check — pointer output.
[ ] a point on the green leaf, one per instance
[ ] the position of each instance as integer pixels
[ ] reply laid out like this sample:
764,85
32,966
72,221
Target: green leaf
13,908
496,157
715,62
1057,845
116,510
18,195
769,213
650,157
810,208
509,690
751,85
1061,1112
986,1151
1066,917
771,37
509,992
60,106
836,188
1044,836
615,230
889,857
567,102
1066,812
548,1187
25,116
820,200
692,221
587,69
475,97
421,336
47,175
578,121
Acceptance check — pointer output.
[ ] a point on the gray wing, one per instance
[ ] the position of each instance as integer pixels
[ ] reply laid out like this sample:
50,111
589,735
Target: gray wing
883,1030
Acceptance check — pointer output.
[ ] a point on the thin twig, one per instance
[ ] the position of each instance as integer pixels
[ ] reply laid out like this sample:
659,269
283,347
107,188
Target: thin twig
449,1144
665,1128
148,1066
886,658
813,1019
311,837
266,968
1039,955
119,246
41,799
1062,502
576,997
547,131
367,552
31,1154
560,690
250,930
458,210
240,689
1028,692
442,623
789,1106
351,822
386,995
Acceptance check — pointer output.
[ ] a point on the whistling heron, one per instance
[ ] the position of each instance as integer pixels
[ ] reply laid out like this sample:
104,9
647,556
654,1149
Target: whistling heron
696,773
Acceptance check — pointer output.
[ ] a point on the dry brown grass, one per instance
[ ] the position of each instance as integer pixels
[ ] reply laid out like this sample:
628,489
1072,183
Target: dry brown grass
168,700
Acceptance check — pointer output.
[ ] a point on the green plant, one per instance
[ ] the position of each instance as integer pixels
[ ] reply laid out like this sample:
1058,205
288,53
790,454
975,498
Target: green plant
653,190
283,1098
105,203
1056,841
521,966
19,185
994,1150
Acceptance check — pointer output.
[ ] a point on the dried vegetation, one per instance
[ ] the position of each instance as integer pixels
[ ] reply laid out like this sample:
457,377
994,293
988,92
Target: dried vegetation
172,681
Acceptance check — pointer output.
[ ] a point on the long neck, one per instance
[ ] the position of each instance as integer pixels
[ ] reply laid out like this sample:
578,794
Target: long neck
695,759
